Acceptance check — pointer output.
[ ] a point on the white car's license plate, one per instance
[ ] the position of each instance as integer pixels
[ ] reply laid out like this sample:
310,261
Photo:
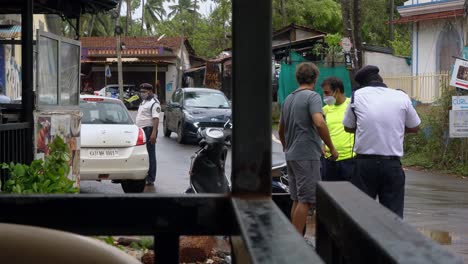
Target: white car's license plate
103,153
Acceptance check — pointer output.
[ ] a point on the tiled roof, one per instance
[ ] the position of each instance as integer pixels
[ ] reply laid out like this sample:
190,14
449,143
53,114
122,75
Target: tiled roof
132,42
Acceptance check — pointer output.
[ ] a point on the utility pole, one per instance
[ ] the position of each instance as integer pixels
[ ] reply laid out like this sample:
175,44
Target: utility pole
142,16
357,38
118,33
390,24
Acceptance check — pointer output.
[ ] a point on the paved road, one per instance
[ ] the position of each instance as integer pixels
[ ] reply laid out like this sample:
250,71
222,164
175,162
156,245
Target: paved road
173,161
435,204
438,206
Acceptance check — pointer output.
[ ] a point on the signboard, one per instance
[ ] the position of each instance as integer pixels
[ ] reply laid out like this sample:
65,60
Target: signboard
460,74
458,124
213,75
348,61
460,103
108,71
346,44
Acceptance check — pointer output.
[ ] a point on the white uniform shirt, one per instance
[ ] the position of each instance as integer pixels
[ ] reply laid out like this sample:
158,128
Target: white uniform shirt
145,114
382,115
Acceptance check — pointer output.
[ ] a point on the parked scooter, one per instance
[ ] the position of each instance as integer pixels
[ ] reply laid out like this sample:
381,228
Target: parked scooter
131,99
279,175
207,169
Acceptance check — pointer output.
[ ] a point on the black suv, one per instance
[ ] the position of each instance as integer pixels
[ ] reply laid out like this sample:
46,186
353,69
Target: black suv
193,108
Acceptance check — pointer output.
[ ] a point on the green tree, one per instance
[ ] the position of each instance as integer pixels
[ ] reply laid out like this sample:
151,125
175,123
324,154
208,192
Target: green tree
182,6
153,12
401,44
323,15
212,34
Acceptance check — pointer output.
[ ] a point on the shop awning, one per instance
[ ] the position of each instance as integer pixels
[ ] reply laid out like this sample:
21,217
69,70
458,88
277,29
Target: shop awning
70,8
431,16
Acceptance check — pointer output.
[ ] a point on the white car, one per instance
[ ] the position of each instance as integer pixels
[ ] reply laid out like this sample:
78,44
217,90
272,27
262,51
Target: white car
112,90
112,146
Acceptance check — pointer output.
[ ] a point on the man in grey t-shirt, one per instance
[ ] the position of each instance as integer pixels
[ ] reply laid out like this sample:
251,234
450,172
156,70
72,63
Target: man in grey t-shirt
301,130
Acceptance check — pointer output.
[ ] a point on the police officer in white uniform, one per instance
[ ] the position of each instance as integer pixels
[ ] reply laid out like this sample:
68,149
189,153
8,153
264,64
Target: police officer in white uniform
148,119
380,117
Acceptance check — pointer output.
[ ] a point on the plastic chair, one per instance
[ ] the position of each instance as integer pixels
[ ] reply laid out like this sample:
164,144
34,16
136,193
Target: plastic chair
29,244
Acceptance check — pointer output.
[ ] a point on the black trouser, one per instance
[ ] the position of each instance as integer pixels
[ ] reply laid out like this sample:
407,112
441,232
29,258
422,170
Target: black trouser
383,178
337,170
151,148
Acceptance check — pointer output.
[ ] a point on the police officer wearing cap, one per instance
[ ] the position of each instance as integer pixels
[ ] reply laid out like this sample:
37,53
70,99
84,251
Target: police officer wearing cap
148,119
380,117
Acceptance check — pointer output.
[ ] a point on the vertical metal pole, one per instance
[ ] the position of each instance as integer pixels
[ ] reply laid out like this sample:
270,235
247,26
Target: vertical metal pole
166,248
119,67
251,161
27,76
119,54
156,78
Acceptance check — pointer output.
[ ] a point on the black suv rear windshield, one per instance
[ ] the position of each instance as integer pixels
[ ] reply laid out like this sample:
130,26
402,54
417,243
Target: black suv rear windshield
104,112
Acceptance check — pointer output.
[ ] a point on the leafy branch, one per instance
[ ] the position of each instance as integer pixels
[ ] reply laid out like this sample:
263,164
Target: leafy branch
42,176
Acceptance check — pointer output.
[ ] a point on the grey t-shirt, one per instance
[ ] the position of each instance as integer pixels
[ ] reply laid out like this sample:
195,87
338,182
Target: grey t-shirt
302,139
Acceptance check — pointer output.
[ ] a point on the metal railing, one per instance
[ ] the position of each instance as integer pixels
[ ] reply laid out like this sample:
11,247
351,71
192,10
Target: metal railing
13,144
425,88
353,228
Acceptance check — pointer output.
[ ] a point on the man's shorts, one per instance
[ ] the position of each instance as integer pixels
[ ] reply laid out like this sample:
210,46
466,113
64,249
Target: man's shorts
303,176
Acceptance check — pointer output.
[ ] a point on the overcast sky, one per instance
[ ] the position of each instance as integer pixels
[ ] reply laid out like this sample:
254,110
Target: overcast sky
204,8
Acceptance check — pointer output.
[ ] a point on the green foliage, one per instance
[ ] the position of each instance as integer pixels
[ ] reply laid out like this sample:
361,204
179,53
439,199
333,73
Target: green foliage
144,243
332,50
323,15
401,44
109,240
48,176
207,35
210,34
431,148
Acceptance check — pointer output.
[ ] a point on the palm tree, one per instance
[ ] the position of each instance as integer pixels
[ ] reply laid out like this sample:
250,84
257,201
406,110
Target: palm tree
128,20
181,7
152,12
105,26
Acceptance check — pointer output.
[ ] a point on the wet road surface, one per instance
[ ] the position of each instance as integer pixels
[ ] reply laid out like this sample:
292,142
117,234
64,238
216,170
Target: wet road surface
437,205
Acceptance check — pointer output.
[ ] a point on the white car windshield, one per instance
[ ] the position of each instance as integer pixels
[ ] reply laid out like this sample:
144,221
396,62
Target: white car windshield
104,112
205,100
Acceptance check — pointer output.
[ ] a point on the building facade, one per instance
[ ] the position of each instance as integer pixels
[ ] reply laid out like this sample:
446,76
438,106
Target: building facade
158,61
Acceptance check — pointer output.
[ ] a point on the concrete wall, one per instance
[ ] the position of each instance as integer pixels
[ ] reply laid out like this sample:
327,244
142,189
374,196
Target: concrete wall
388,64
